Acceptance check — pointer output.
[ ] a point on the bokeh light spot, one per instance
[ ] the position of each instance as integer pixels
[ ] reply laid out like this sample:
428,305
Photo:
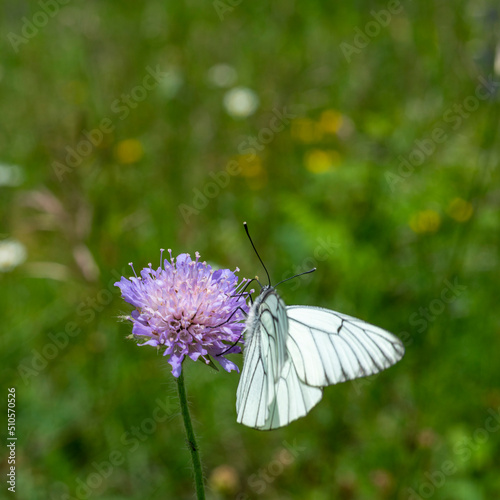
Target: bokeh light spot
129,151
426,221
461,210
318,161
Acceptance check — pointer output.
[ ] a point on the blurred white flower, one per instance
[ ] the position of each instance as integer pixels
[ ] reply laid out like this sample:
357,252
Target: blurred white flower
241,102
11,175
222,75
12,254
171,81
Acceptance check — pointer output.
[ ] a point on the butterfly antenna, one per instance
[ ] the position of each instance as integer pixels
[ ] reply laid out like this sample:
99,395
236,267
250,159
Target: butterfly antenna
257,253
296,276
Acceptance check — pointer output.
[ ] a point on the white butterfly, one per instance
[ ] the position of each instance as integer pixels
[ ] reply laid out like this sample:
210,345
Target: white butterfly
292,352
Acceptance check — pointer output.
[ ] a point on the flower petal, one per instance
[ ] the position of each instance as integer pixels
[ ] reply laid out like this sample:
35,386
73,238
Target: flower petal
227,365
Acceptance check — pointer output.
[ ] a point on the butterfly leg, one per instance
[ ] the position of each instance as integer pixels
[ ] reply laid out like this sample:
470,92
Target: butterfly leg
233,345
232,314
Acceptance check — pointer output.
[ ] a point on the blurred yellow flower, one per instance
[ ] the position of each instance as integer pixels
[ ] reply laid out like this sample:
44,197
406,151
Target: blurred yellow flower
461,210
252,170
250,165
426,221
305,130
318,161
129,151
330,121
224,479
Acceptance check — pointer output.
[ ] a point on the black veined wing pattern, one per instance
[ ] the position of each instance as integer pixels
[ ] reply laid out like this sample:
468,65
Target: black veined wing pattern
293,352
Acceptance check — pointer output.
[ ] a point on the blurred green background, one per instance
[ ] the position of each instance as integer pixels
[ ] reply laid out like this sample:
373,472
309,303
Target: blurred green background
382,174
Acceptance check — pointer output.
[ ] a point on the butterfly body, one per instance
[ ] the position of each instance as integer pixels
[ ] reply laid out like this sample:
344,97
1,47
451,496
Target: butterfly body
292,352
256,309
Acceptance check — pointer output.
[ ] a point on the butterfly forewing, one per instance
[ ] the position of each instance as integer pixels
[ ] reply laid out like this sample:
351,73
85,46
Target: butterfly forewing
334,347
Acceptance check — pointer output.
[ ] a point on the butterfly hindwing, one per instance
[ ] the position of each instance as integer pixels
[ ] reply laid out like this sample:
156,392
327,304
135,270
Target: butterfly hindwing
293,398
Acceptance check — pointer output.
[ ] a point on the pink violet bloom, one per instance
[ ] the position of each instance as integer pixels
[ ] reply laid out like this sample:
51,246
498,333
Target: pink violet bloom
187,308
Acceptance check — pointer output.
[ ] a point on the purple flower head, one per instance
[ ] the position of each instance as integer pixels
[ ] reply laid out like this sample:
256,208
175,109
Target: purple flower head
188,308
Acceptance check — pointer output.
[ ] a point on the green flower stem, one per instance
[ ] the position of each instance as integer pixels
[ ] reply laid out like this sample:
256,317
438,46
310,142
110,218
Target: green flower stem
191,441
